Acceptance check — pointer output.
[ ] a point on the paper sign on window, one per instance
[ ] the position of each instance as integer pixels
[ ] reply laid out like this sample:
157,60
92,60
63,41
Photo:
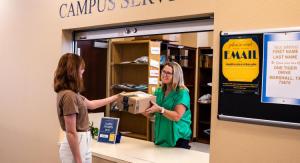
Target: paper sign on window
155,50
154,63
154,73
153,80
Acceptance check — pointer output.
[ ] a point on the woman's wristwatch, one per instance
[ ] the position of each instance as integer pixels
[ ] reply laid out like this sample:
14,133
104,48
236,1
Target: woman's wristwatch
162,110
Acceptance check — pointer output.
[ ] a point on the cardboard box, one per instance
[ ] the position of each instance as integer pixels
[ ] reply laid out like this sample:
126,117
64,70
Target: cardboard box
135,102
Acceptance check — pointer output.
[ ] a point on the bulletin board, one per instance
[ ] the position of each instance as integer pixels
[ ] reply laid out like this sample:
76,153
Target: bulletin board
259,79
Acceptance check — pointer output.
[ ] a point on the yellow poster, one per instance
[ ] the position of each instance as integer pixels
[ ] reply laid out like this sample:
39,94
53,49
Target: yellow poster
240,60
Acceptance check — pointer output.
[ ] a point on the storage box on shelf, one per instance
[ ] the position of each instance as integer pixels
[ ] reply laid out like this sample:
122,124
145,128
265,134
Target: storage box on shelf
127,75
204,94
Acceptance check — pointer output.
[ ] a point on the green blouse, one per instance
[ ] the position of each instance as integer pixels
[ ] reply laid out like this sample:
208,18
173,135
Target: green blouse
167,132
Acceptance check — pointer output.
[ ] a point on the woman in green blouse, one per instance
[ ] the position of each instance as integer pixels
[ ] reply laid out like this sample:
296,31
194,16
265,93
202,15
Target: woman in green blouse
172,109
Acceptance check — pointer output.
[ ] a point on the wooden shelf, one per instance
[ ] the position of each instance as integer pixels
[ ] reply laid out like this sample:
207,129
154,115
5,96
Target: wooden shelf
124,70
189,67
205,85
131,42
204,122
204,77
178,46
129,64
204,103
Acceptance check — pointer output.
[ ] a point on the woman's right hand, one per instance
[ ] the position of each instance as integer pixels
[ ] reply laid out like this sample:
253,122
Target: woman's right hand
154,108
119,95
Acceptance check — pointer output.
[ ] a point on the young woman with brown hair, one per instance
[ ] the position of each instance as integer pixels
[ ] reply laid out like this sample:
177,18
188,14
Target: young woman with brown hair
72,109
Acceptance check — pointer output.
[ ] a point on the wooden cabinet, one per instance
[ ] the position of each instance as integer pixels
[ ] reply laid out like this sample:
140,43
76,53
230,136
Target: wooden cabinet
125,71
204,94
96,159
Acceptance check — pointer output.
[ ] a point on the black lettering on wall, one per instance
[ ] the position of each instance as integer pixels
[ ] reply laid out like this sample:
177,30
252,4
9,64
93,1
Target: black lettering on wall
71,10
145,3
99,6
81,9
92,4
60,10
126,4
133,4
113,5
169,0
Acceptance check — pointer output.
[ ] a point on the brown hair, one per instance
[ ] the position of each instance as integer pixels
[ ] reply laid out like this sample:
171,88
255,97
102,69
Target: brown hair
67,76
177,79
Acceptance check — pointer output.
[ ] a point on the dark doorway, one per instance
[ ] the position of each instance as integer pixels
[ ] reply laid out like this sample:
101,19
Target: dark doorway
94,54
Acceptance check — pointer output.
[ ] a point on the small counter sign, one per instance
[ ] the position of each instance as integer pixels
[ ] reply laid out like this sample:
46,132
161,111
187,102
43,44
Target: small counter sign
108,130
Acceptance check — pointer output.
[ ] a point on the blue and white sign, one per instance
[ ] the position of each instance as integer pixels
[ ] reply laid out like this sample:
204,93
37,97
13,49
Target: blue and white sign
108,130
281,68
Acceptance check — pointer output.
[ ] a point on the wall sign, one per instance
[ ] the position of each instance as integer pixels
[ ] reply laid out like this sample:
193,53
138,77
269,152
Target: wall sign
154,73
155,50
240,64
281,70
267,91
153,81
85,7
154,63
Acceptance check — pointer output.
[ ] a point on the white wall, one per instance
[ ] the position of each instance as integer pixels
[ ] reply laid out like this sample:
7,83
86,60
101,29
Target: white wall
233,142
31,44
205,39
30,47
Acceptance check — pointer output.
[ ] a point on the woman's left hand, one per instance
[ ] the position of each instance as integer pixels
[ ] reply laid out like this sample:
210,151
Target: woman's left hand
154,108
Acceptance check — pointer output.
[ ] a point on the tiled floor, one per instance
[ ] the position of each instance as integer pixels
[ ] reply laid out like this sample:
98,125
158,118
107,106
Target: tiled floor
200,147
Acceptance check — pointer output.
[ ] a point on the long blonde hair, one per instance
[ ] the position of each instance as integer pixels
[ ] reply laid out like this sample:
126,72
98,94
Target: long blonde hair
177,79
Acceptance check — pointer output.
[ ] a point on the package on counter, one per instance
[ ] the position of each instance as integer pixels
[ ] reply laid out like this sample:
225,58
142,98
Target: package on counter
135,102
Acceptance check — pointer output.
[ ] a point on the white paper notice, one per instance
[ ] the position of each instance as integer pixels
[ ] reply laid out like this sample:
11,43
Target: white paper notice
155,50
154,63
153,80
154,73
283,69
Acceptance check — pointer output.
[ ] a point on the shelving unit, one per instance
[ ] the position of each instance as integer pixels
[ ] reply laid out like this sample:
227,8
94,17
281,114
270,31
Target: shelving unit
204,107
124,71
